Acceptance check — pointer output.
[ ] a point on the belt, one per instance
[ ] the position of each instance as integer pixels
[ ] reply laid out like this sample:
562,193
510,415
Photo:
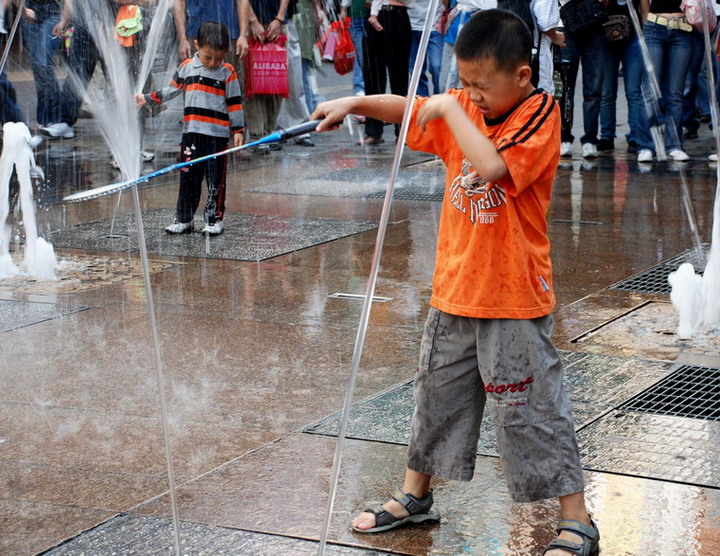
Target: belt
680,23
391,7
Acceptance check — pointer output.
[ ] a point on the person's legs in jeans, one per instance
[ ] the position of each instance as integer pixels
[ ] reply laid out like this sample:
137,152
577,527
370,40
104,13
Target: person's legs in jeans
593,59
357,32
42,46
422,89
569,70
82,60
9,109
609,90
692,83
633,73
434,59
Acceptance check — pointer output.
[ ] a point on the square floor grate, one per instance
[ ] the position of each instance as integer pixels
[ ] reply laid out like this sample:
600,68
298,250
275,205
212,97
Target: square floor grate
690,391
655,279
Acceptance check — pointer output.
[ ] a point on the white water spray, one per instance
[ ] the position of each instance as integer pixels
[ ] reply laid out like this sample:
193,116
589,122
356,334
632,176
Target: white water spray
39,258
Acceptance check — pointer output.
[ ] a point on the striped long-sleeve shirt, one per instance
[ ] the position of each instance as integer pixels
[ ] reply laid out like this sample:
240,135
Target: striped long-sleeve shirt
212,98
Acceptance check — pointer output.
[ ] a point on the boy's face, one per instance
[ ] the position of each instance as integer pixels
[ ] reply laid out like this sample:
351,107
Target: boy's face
494,91
209,57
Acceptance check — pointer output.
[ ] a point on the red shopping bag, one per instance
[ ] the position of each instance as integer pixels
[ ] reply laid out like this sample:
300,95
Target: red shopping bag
344,58
266,68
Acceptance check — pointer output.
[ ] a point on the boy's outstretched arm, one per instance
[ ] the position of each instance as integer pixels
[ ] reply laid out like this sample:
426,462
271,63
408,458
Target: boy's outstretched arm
477,148
387,108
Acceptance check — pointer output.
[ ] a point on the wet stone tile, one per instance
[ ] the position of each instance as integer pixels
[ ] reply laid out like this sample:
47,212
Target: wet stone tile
246,237
654,446
131,535
18,314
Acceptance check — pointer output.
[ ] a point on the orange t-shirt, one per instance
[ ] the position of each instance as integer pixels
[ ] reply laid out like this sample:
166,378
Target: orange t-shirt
493,253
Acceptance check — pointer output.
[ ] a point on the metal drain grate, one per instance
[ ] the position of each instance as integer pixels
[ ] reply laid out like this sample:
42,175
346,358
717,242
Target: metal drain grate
690,391
655,279
411,193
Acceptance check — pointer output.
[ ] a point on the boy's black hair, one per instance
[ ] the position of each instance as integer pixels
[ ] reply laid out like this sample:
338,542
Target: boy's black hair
214,35
497,35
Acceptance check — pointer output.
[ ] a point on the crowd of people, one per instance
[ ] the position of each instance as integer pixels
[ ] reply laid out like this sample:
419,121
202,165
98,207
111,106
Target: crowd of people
386,35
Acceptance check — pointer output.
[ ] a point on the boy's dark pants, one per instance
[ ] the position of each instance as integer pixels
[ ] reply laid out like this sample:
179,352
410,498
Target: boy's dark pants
195,145
512,366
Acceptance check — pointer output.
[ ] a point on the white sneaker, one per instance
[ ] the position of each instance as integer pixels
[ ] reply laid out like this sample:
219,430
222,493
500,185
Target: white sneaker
35,141
589,150
179,228
147,156
60,129
713,157
645,155
678,155
214,229
114,163
565,149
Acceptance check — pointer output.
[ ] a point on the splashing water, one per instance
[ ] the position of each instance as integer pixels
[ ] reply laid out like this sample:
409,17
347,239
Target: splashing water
39,257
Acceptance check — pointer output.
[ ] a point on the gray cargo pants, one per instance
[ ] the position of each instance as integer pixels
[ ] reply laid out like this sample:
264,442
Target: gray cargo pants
513,367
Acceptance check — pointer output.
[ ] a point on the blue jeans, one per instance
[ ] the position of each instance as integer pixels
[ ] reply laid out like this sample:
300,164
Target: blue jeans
588,48
82,60
357,32
627,52
692,83
9,109
42,46
433,61
670,52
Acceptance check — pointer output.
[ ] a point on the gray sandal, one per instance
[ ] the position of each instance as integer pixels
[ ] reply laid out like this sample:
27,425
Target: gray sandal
420,510
590,545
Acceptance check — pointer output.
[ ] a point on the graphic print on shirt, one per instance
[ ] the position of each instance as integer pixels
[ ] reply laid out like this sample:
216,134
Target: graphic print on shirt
475,197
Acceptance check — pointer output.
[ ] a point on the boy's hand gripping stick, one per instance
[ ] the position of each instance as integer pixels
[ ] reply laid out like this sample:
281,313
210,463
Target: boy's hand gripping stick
294,131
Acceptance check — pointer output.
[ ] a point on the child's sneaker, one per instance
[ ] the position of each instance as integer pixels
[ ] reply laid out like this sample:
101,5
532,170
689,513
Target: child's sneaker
147,156
214,229
179,228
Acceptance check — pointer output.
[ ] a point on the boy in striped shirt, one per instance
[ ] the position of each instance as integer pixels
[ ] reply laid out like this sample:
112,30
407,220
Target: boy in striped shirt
212,112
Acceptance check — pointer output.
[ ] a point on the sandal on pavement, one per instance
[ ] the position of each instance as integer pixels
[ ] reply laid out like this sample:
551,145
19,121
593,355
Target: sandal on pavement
590,545
420,510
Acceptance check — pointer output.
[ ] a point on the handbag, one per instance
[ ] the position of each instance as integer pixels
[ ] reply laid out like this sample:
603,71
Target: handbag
266,71
344,57
617,28
578,15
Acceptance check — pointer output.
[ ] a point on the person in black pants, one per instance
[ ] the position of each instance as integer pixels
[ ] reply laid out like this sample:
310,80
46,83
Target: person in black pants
388,37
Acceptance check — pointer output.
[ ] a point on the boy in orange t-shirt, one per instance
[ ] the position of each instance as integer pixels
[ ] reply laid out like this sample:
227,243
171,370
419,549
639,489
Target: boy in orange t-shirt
487,335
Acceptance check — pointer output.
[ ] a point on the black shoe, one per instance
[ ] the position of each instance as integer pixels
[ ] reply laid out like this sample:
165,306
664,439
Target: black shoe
632,147
605,145
305,142
690,134
275,146
705,118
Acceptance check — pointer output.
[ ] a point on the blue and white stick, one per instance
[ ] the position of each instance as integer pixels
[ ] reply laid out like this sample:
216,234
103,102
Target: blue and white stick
294,131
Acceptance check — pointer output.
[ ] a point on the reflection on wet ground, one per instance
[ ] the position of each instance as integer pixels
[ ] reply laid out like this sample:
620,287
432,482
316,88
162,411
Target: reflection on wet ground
257,353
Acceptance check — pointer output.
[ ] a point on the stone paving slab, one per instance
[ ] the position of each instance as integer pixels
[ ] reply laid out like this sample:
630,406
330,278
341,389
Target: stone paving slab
18,314
636,516
246,237
144,536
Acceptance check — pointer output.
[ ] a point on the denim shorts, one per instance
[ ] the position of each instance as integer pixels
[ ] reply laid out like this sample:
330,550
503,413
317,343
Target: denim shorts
512,366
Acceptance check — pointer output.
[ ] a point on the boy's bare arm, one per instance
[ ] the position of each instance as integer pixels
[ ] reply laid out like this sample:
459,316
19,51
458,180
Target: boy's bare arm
387,108
476,147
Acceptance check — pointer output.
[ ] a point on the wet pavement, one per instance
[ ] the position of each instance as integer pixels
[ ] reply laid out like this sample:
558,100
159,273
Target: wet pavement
257,339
